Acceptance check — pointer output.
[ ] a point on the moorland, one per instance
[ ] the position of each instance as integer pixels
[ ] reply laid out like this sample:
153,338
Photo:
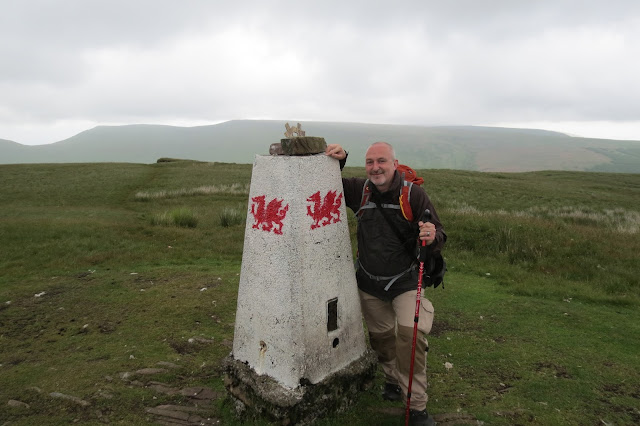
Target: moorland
108,269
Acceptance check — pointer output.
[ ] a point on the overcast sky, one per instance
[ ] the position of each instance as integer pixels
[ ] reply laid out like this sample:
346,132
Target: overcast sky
67,66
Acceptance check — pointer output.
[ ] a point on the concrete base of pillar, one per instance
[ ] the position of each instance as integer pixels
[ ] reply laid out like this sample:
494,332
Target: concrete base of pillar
261,396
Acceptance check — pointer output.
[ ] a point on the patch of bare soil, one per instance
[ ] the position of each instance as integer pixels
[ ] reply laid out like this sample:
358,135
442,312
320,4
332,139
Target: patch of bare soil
442,419
555,370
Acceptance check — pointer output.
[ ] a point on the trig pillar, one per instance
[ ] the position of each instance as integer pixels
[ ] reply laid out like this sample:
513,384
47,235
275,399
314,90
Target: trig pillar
299,349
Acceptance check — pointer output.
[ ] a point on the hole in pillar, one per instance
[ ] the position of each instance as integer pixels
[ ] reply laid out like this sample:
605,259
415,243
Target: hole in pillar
304,381
336,342
332,315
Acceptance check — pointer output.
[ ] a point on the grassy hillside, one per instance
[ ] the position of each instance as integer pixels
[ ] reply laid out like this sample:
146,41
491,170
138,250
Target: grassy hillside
539,318
444,147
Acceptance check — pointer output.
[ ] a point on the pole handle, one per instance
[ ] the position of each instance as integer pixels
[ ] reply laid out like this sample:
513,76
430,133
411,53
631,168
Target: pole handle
426,217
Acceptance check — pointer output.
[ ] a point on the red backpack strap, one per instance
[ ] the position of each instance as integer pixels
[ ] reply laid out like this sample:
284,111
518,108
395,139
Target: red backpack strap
366,194
405,200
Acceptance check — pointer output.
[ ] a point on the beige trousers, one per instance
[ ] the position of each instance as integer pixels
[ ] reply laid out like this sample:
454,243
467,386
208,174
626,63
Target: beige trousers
390,325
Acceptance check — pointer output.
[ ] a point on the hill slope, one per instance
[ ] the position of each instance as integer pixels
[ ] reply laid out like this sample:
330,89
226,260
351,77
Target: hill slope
446,147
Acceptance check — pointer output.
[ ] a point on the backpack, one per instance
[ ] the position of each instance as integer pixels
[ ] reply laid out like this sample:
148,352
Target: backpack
409,177
435,266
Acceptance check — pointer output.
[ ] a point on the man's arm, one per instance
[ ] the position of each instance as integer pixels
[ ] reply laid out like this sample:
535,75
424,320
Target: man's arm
337,152
352,186
431,231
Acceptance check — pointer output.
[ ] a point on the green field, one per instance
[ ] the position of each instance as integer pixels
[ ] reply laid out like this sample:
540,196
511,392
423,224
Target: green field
109,268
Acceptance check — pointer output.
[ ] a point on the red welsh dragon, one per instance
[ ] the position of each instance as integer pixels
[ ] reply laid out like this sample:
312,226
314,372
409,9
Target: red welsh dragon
268,217
325,211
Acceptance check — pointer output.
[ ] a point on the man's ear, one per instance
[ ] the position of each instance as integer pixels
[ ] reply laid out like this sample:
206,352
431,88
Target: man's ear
395,164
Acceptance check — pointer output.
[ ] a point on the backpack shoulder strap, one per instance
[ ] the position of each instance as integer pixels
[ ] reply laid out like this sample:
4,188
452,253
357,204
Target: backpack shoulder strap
405,200
366,195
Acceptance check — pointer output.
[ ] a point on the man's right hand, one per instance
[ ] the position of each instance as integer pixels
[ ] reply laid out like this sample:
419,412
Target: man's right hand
335,151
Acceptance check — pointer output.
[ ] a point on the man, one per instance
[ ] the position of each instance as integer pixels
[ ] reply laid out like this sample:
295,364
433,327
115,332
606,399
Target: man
387,275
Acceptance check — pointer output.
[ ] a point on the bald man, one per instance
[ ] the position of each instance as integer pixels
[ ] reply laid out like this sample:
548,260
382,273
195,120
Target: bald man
387,272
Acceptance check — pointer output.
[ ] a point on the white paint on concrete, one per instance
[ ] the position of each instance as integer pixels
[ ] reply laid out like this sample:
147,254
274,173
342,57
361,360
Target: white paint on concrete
287,280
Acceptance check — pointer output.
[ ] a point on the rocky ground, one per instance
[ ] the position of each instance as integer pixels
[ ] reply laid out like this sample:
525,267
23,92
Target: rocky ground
195,410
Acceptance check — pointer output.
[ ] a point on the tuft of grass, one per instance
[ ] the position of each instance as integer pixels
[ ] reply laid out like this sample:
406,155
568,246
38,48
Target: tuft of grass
181,217
234,188
618,220
231,217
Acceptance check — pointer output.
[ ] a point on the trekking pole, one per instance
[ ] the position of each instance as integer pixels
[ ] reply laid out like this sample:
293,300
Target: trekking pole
426,216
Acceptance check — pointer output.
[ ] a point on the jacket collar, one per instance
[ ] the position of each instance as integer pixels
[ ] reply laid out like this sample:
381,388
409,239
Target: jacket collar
394,188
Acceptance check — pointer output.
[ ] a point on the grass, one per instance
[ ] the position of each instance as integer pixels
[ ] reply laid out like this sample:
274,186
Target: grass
232,217
182,217
235,188
539,315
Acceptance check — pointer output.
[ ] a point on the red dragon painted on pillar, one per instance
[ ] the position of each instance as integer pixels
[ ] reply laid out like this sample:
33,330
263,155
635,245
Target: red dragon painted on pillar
268,217
324,211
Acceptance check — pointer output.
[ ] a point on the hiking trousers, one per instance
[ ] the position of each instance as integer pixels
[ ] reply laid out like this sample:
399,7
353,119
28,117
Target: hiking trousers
390,326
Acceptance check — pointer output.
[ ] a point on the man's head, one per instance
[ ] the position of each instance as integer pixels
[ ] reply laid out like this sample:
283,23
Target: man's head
381,164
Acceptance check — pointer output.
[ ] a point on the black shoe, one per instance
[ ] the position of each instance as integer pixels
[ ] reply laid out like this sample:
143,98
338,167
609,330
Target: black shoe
420,418
391,392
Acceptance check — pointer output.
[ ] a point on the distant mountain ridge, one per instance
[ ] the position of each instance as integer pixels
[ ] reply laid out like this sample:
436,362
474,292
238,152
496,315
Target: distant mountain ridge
439,147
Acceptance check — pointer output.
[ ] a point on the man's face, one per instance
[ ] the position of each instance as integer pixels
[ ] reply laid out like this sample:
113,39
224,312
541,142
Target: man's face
380,166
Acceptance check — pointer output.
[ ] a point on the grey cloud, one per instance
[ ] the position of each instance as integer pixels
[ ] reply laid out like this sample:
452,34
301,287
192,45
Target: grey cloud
411,62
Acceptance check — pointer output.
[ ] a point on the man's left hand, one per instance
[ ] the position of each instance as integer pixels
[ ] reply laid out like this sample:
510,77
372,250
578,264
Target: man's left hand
427,232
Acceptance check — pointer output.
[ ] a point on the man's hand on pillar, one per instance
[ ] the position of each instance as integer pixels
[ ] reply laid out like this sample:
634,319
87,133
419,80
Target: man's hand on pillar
334,150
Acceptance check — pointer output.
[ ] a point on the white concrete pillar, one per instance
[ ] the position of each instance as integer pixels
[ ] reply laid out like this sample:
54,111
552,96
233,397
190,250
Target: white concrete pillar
298,318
